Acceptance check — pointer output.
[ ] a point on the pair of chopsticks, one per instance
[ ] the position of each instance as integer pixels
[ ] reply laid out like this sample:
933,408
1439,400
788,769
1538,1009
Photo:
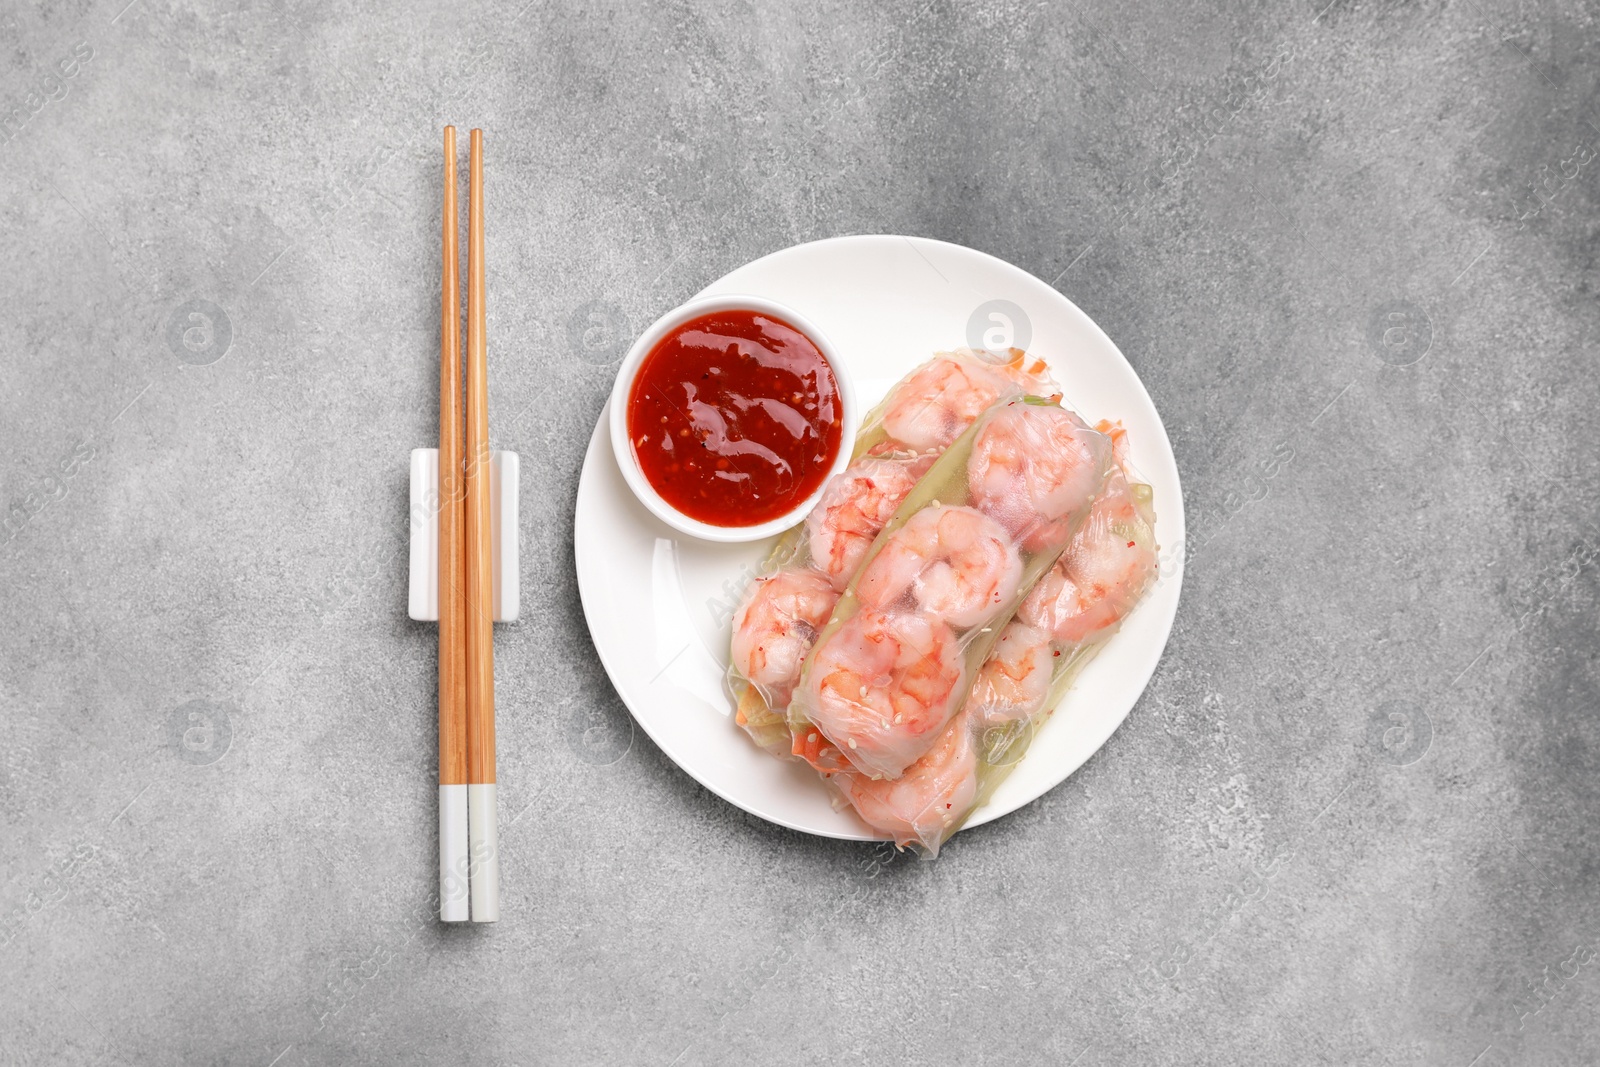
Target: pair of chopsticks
469,854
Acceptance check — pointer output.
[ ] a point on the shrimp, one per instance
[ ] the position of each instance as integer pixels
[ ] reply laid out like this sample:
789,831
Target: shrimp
954,563
776,626
1033,466
938,401
881,688
1102,574
851,513
932,795
1015,680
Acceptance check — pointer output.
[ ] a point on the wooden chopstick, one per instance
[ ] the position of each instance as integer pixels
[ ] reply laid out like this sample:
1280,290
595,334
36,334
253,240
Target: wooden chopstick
483,835
453,829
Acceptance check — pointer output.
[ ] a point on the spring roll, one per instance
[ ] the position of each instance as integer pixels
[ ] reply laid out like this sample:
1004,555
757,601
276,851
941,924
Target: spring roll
894,663
790,601
1106,570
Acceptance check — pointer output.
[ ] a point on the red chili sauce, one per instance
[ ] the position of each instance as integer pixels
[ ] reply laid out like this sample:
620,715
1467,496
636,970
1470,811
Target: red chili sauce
735,418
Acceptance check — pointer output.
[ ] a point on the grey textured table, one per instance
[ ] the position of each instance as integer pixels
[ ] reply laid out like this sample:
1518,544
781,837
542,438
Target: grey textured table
1350,249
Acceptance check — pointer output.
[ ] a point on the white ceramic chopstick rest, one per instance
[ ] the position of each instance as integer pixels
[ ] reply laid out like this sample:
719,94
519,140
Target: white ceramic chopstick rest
504,473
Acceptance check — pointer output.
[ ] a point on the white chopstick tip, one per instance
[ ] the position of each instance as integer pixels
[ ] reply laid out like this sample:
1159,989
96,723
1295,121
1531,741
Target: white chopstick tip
484,850
453,861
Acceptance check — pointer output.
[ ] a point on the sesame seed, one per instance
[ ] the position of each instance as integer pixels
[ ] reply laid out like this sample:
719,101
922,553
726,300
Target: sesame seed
852,742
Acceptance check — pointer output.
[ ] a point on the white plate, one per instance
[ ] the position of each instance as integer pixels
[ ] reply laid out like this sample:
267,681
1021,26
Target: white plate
659,604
